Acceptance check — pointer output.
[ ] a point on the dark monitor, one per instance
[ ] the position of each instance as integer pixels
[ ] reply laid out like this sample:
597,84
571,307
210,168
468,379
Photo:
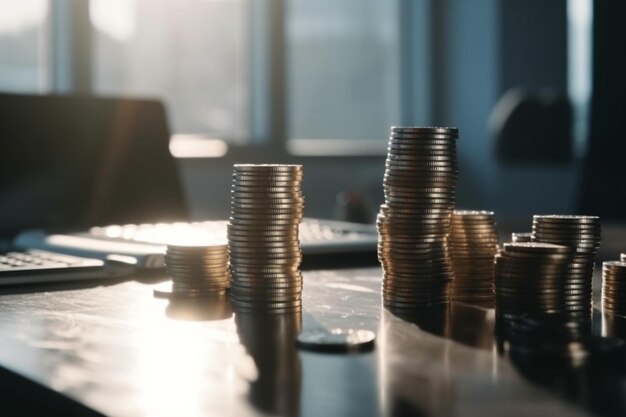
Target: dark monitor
70,162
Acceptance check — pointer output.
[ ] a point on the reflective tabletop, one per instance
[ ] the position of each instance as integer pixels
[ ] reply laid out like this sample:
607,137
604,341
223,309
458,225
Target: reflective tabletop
117,350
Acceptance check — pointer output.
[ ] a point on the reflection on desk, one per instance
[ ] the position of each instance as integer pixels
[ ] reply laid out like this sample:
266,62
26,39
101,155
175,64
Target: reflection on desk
120,351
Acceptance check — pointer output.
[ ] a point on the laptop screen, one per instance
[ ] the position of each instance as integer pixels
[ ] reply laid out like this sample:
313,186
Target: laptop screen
72,162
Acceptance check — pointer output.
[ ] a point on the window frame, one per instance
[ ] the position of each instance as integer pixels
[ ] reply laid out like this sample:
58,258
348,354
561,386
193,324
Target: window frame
71,53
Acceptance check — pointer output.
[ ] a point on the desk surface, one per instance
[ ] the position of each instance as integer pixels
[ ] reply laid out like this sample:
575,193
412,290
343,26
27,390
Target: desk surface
122,352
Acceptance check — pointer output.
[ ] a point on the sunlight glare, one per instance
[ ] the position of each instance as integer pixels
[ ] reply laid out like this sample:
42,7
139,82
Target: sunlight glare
116,18
18,16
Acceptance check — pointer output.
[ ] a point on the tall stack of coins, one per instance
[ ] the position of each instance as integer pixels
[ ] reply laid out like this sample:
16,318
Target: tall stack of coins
266,211
198,270
530,279
582,234
614,287
473,244
413,224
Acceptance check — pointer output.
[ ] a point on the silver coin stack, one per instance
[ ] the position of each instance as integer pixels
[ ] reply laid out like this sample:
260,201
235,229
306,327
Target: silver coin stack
473,244
614,287
198,270
414,223
529,279
266,210
622,257
582,234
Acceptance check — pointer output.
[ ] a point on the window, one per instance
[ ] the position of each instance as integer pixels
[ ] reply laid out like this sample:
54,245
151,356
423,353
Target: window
211,63
343,68
23,46
191,54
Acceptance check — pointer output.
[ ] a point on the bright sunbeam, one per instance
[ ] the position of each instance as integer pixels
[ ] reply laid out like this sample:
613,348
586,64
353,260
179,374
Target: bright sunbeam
177,363
114,17
17,16
580,29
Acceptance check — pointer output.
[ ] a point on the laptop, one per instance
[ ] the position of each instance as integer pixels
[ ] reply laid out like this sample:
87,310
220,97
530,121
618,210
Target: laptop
93,177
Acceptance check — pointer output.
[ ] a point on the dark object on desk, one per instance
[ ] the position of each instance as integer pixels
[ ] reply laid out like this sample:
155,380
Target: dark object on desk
532,128
72,162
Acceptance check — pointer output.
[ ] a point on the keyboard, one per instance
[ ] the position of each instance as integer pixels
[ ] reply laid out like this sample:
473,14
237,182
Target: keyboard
146,242
36,266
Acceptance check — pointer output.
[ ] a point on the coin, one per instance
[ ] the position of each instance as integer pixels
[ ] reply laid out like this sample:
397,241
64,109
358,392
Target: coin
425,130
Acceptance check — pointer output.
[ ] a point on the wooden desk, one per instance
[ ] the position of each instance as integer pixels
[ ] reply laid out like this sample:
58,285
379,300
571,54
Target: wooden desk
121,352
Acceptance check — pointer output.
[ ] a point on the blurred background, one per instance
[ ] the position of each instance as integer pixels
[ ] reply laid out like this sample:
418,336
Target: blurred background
320,83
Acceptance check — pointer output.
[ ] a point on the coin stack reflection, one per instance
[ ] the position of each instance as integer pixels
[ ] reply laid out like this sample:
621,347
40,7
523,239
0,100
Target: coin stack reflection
414,223
266,211
582,234
473,244
530,279
614,287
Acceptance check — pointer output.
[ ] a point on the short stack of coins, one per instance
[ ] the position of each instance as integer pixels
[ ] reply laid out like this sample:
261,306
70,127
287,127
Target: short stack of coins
530,279
582,234
614,287
263,238
521,237
198,270
414,223
473,244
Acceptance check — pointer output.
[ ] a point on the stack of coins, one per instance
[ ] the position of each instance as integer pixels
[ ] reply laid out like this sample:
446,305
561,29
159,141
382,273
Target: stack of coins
582,234
198,270
521,237
622,257
265,256
473,244
614,287
530,279
413,224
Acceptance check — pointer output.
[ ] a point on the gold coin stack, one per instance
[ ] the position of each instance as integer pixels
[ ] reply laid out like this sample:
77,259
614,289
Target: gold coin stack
614,287
473,244
530,280
583,235
414,223
263,237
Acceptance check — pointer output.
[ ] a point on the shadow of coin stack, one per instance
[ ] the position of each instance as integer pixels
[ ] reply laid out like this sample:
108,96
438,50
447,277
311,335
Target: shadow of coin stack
263,241
473,244
614,287
197,270
414,222
582,234
530,279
